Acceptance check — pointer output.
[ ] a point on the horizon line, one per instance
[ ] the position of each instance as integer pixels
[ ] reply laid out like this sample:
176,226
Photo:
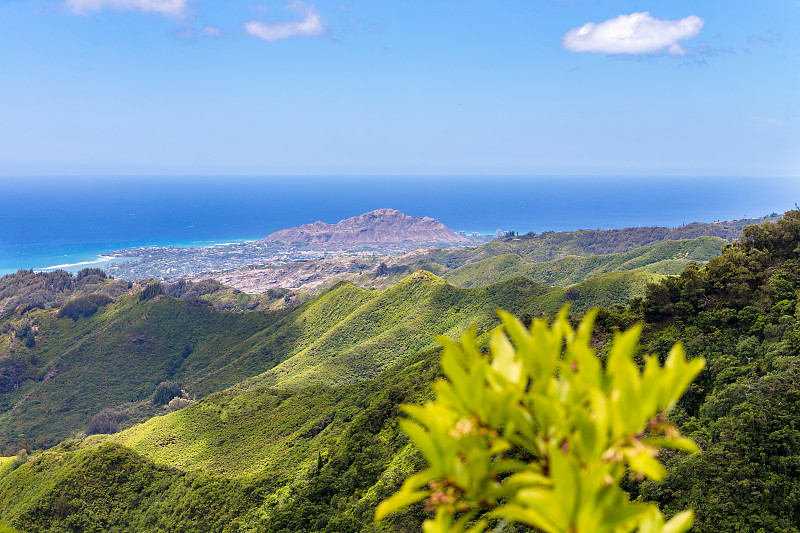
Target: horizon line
401,175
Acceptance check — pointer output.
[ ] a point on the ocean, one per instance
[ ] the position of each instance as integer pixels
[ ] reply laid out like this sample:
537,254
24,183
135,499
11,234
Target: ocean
68,222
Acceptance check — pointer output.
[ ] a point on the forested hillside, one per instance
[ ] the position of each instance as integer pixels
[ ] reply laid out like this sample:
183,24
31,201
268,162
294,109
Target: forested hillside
318,459
47,290
43,289
741,313
59,368
668,257
319,454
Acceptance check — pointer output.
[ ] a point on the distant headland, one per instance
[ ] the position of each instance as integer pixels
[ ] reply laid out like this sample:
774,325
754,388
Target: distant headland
381,232
381,226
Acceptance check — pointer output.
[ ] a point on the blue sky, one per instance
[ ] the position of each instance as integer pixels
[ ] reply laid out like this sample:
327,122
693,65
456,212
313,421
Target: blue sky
530,87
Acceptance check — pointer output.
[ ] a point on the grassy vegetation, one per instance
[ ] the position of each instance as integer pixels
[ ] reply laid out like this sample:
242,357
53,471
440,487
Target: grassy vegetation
607,290
396,323
240,434
7,464
318,457
666,258
264,454
255,437
116,357
553,245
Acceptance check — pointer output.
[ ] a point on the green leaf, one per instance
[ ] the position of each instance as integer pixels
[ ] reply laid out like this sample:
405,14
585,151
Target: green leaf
397,502
479,527
644,464
679,523
621,514
680,443
504,359
537,516
422,439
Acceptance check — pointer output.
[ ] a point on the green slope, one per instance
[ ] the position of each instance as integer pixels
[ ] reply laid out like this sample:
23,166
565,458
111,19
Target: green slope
401,321
348,335
116,357
666,258
607,290
550,246
195,437
406,318
554,245
248,433
247,462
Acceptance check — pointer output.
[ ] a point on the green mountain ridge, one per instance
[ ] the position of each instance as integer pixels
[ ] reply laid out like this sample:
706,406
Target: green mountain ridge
116,357
244,460
666,258
282,451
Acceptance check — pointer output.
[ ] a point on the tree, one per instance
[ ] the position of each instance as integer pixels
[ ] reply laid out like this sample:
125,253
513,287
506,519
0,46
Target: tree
539,433
30,339
106,421
151,291
84,305
382,270
166,391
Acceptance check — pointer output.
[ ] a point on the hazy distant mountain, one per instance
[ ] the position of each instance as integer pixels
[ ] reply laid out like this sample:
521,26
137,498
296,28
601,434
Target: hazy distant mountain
382,226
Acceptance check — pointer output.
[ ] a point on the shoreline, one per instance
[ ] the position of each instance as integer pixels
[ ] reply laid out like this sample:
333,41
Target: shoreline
73,261
73,257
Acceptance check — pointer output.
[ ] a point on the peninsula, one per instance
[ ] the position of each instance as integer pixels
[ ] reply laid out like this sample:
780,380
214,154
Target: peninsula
381,226
377,233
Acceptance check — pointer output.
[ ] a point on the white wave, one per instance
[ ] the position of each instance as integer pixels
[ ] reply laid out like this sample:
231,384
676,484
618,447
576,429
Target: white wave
68,265
229,243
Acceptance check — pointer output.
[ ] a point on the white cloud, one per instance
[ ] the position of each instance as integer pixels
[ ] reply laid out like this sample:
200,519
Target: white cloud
165,7
637,33
311,24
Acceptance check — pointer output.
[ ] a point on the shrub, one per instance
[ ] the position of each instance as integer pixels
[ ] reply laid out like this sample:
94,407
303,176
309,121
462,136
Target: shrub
539,433
86,272
90,276
105,422
30,339
151,291
177,403
85,305
572,293
166,391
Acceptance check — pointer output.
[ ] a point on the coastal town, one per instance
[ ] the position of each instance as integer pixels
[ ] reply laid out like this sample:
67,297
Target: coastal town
171,263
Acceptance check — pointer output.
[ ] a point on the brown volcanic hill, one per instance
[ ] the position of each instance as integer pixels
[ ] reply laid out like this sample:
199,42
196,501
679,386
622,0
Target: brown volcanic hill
382,226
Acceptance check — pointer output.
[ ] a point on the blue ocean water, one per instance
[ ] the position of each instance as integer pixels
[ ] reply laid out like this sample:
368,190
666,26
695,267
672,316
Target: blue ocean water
69,222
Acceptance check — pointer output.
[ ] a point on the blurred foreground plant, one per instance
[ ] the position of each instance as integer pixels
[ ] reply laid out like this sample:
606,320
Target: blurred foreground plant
540,433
